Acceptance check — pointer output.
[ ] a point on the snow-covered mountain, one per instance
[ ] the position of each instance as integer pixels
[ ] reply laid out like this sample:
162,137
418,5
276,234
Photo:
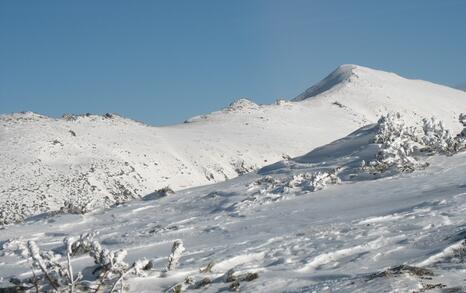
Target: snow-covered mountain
321,222
91,160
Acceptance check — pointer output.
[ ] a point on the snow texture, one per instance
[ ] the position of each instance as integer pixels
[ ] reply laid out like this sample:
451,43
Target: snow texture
353,203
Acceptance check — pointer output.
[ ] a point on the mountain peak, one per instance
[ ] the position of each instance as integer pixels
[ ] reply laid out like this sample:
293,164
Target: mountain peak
344,73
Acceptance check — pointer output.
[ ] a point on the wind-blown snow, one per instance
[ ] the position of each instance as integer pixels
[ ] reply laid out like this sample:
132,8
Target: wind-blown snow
401,233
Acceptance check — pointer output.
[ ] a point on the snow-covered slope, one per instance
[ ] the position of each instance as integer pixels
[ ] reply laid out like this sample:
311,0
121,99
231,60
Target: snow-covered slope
275,231
92,160
370,92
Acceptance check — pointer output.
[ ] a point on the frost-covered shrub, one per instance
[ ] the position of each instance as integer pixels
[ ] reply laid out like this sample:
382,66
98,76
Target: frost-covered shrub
437,139
312,181
12,212
461,137
241,167
269,189
177,251
159,193
266,180
48,270
52,273
107,261
78,205
401,146
398,143
298,182
165,191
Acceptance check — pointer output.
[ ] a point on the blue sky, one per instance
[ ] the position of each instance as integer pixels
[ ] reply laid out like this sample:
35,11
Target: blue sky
163,61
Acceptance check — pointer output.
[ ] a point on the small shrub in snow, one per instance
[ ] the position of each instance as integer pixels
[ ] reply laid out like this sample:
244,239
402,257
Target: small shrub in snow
159,193
165,191
266,181
52,273
312,181
402,270
269,189
78,205
231,277
208,268
297,182
338,104
241,167
177,251
47,269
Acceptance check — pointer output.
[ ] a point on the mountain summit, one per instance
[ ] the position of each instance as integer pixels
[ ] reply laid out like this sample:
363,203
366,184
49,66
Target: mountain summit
344,73
372,92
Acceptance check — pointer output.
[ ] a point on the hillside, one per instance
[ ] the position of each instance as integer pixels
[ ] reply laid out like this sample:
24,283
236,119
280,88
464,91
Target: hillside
321,222
90,161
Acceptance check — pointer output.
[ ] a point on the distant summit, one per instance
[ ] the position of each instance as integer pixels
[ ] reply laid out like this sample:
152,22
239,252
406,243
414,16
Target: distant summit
342,74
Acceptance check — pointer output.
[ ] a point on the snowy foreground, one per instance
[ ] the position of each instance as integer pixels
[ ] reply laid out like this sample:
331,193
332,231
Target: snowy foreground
328,221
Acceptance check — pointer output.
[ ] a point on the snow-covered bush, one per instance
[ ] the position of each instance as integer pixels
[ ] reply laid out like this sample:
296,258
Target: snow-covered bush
269,189
165,191
312,181
298,182
54,272
78,205
462,120
437,139
12,212
159,193
177,251
48,270
401,146
241,167
398,144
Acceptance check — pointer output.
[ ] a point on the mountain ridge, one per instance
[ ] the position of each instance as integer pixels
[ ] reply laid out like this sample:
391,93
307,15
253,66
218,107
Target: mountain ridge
102,160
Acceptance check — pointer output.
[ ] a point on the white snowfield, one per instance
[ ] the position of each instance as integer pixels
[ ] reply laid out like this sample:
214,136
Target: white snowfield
280,229
91,161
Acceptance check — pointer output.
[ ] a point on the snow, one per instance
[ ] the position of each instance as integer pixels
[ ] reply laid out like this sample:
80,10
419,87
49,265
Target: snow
392,232
337,79
84,162
303,210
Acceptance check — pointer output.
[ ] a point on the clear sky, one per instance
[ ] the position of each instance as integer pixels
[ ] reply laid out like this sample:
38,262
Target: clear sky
163,61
